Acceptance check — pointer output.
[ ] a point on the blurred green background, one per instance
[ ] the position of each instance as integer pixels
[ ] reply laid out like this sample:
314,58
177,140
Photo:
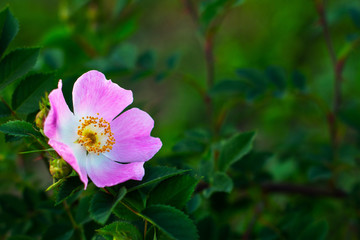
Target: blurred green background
272,74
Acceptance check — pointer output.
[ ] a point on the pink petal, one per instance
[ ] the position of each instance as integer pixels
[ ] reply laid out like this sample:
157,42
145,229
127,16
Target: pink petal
75,156
133,142
60,124
94,94
105,172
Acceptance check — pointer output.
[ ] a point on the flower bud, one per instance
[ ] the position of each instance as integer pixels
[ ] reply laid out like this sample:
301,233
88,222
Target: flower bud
59,168
42,114
40,117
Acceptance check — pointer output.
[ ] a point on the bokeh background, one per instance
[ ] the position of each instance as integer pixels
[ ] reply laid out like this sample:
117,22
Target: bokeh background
272,74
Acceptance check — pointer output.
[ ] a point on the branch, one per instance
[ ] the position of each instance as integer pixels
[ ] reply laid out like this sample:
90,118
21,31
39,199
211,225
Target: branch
324,24
190,8
338,69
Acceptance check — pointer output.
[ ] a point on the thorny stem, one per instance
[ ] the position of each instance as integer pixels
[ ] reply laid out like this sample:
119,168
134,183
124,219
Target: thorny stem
208,47
320,7
78,228
338,69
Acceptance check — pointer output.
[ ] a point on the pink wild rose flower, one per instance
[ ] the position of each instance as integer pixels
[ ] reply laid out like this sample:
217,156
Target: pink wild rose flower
96,144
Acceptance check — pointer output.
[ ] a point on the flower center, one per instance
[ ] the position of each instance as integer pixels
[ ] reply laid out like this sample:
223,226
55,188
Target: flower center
95,134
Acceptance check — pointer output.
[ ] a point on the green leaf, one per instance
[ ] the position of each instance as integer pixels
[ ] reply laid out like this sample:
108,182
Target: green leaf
125,28
58,231
9,27
70,186
136,199
350,115
252,162
206,166
154,175
319,173
4,110
238,3
211,10
146,60
228,87
82,211
121,230
119,6
12,205
72,7
172,61
175,191
173,222
28,94
102,204
355,16
194,203
20,237
299,80
124,213
221,182
20,129
255,79
16,64
188,146
277,77
317,230
53,57
235,148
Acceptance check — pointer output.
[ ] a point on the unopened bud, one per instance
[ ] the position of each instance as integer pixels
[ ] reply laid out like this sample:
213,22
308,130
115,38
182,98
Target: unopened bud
42,114
59,168
40,117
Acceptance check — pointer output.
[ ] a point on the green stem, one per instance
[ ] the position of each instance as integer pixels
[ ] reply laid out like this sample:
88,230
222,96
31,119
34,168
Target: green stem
111,192
78,228
46,146
140,215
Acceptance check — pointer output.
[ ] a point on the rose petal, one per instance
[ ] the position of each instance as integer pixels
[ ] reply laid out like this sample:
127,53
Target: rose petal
94,94
105,172
60,124
74,155
133,142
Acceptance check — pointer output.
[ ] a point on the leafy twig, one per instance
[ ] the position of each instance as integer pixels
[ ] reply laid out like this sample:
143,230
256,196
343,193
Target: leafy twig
337,68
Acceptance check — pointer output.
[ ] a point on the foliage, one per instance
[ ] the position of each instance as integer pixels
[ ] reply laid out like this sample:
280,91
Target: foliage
257,109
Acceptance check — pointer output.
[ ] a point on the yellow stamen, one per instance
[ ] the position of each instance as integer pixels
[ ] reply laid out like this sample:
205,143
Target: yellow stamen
89,137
